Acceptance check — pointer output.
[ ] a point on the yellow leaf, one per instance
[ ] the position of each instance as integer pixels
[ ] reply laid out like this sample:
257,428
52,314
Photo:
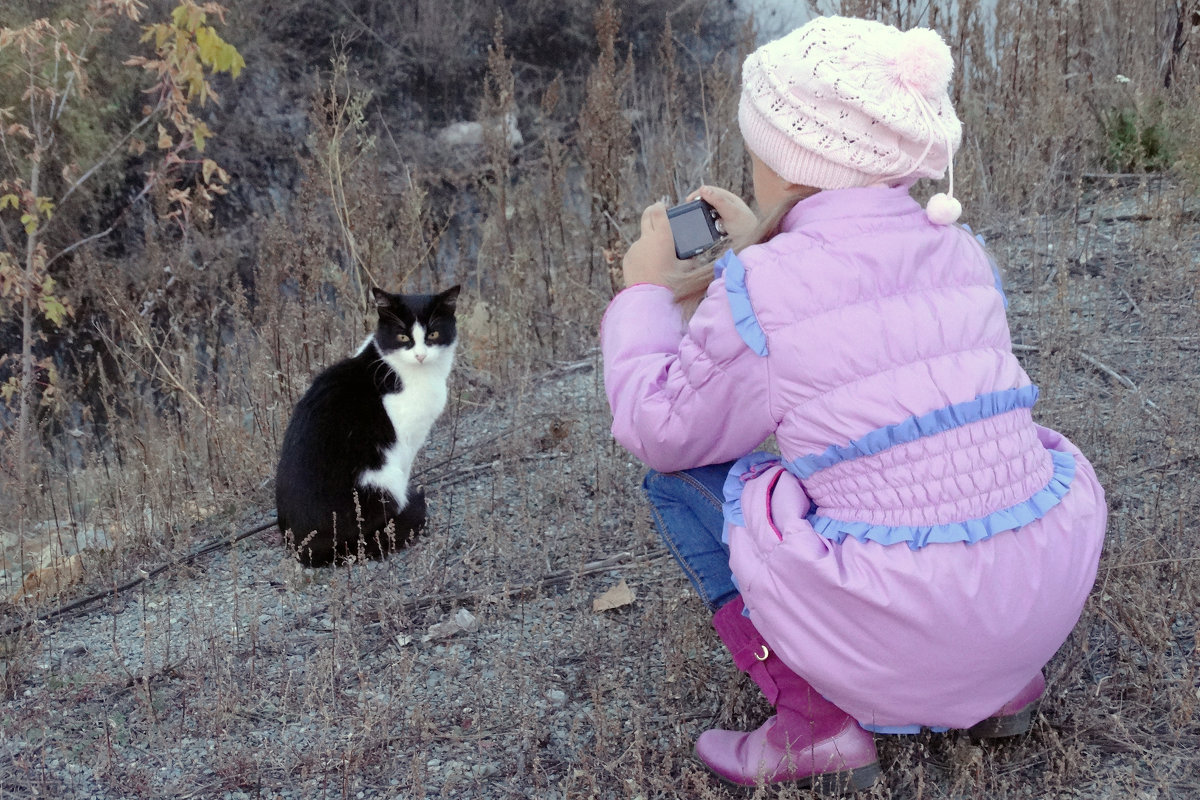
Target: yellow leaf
9,200
164,139
207,44
617,596
237,63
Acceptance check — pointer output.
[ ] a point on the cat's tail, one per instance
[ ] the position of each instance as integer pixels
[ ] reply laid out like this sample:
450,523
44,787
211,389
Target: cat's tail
377,529
394,528
410,521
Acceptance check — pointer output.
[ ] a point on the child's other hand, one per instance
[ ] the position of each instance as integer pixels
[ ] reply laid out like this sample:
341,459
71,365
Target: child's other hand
737,217
651,259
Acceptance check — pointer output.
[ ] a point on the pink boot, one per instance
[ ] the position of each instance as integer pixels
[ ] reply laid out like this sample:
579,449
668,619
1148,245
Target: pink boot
1014,717
809,741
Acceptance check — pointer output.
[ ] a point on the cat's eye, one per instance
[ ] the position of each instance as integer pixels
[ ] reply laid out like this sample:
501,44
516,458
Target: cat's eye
432,336
402,339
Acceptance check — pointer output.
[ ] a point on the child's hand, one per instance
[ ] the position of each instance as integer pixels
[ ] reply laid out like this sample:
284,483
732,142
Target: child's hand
651,259
737,217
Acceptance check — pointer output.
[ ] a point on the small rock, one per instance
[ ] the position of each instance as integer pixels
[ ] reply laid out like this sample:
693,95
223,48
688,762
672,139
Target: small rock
462,620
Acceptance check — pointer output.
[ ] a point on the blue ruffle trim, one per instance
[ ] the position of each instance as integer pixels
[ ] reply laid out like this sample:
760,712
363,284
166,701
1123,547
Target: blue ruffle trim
898,730
913,428
744,319
970,531
744,469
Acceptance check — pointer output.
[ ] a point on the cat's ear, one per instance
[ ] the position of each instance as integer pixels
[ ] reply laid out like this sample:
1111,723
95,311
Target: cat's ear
449,298
382,298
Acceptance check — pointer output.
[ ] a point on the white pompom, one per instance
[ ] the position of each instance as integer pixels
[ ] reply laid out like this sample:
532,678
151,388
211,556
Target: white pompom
942,209
923,62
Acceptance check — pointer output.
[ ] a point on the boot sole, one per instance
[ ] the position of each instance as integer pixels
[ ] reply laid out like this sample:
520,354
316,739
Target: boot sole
999,727
830,783
848,782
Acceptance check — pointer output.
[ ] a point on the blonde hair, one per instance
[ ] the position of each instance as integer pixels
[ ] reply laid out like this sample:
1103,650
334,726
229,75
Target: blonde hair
691,283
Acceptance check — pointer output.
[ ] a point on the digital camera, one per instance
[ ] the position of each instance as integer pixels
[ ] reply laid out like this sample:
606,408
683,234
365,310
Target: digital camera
695,226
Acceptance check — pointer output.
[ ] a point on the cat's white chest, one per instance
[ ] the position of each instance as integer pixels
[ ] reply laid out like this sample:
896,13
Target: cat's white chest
412,413
414,410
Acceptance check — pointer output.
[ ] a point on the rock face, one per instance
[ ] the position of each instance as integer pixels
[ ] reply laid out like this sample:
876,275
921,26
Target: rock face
471,134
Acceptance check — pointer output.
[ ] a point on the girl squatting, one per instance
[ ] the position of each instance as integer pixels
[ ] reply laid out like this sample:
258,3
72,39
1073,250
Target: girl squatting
920,547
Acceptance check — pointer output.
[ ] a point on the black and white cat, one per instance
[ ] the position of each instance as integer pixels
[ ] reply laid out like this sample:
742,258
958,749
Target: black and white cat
342,486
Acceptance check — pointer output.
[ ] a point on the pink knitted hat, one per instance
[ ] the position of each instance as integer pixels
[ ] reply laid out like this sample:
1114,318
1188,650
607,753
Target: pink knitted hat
843,102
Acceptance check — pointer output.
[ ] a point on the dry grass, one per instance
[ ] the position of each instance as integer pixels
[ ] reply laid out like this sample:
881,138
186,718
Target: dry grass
237,675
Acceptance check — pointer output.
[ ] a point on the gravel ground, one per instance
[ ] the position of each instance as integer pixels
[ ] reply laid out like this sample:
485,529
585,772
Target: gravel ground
474,664
471,665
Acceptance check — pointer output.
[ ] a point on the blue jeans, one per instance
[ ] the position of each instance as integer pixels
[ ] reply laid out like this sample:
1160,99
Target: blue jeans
687,512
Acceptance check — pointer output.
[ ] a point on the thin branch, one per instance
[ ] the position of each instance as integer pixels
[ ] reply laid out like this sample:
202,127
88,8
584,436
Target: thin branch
1120,176
144,339
12,160
111,152
1172,463
1118,377
617,227
1132,303
1102,367
88,239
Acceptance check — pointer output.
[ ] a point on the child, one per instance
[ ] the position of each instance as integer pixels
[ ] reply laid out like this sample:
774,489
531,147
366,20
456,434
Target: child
920,548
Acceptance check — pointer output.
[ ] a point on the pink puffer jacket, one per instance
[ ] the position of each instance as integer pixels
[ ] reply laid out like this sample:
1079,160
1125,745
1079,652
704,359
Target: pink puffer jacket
921,548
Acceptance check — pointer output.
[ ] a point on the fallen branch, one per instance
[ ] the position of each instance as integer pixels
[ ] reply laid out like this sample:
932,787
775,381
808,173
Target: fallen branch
144,576
1122,177
1118,377
469,471
1102,367
527,590
1154,563
1156,467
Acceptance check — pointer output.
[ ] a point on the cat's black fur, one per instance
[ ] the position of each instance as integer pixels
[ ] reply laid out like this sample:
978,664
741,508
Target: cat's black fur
341,430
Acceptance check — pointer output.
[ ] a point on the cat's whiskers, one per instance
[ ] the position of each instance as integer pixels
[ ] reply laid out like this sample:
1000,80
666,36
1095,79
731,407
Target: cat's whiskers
376,364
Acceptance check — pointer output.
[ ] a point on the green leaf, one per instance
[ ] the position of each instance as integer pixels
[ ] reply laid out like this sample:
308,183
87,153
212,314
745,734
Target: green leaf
9,200
201,134
54,310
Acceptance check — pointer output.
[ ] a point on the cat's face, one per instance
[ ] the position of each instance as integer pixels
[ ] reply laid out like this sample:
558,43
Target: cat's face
416,331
